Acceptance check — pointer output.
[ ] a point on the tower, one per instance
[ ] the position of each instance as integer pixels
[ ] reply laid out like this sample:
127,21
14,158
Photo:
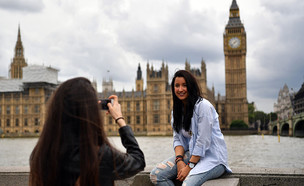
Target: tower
200,75
139,81
236,106
107,84
158,99
18,61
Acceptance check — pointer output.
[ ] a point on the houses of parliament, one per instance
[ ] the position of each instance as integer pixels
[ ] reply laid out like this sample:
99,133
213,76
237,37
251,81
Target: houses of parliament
23,96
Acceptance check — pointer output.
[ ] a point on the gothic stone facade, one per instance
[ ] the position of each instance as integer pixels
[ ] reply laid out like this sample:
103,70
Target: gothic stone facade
298,101
148,111
283,107
24,95
23,111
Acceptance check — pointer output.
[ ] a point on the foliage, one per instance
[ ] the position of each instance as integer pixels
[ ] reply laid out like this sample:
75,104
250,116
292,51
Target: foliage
273,116
251,110
255,117
238,125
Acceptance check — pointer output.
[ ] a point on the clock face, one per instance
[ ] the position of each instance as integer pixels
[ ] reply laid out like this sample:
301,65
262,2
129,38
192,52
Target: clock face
234,42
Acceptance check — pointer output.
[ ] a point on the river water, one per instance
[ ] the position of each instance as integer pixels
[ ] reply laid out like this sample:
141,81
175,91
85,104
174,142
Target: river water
243,151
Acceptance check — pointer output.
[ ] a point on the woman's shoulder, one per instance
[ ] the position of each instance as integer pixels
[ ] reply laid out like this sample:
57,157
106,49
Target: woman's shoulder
203,106
203,103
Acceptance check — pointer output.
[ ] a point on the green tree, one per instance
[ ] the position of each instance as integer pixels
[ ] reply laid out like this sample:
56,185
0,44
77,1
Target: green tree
238,125
260,115
273,116
264,118
251,115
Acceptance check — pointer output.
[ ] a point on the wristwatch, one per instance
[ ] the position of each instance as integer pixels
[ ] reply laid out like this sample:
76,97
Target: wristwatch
191,164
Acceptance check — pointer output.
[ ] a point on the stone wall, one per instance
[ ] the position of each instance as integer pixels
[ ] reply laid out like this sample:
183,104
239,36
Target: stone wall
18,176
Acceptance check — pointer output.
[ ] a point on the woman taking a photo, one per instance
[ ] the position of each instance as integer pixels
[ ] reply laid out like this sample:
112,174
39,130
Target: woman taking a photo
73,148
200,149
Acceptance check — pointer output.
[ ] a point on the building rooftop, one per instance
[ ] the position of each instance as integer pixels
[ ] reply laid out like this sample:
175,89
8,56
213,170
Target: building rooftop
31,74
122,94
234,22
11,85
38,73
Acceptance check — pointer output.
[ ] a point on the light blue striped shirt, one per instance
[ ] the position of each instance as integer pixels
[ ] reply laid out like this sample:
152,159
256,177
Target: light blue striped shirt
206,141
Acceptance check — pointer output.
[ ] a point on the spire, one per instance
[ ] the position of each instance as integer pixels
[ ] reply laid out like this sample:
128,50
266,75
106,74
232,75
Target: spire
139,73
187,65
18,62
234,10
234,16
234,5
19,47
19,35
203,64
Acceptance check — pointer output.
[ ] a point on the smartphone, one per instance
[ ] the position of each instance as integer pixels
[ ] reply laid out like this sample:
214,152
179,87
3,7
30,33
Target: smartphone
104,104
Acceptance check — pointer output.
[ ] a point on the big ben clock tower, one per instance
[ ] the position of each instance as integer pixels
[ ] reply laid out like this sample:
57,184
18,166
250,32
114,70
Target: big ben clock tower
236,106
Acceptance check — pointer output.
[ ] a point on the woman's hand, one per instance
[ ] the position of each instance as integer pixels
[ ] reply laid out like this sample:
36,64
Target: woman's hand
183,172
179,151
115,111
180,165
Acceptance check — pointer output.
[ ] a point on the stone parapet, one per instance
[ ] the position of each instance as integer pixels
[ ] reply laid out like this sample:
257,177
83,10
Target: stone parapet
18,176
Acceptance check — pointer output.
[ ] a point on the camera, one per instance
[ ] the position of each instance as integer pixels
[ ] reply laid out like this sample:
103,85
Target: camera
103,104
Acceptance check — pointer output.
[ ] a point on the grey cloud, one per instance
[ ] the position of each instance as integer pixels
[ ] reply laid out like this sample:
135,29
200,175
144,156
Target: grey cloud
278,43
93,58
22,5
284,7
183,35
113,9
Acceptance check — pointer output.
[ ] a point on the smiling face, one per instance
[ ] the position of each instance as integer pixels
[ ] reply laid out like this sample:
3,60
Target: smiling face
180,89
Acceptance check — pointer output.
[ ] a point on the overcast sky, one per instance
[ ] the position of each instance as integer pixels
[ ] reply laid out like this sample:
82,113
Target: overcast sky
90,37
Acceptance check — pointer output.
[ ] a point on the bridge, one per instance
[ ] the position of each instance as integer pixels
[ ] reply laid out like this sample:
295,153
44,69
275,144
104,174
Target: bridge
292,126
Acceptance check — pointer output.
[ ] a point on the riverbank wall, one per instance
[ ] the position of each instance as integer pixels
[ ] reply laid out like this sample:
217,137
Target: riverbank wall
225,132
18,176
239,132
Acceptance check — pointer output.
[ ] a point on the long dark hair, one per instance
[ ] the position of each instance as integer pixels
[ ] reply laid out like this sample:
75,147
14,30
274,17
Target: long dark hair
182,118
73,118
